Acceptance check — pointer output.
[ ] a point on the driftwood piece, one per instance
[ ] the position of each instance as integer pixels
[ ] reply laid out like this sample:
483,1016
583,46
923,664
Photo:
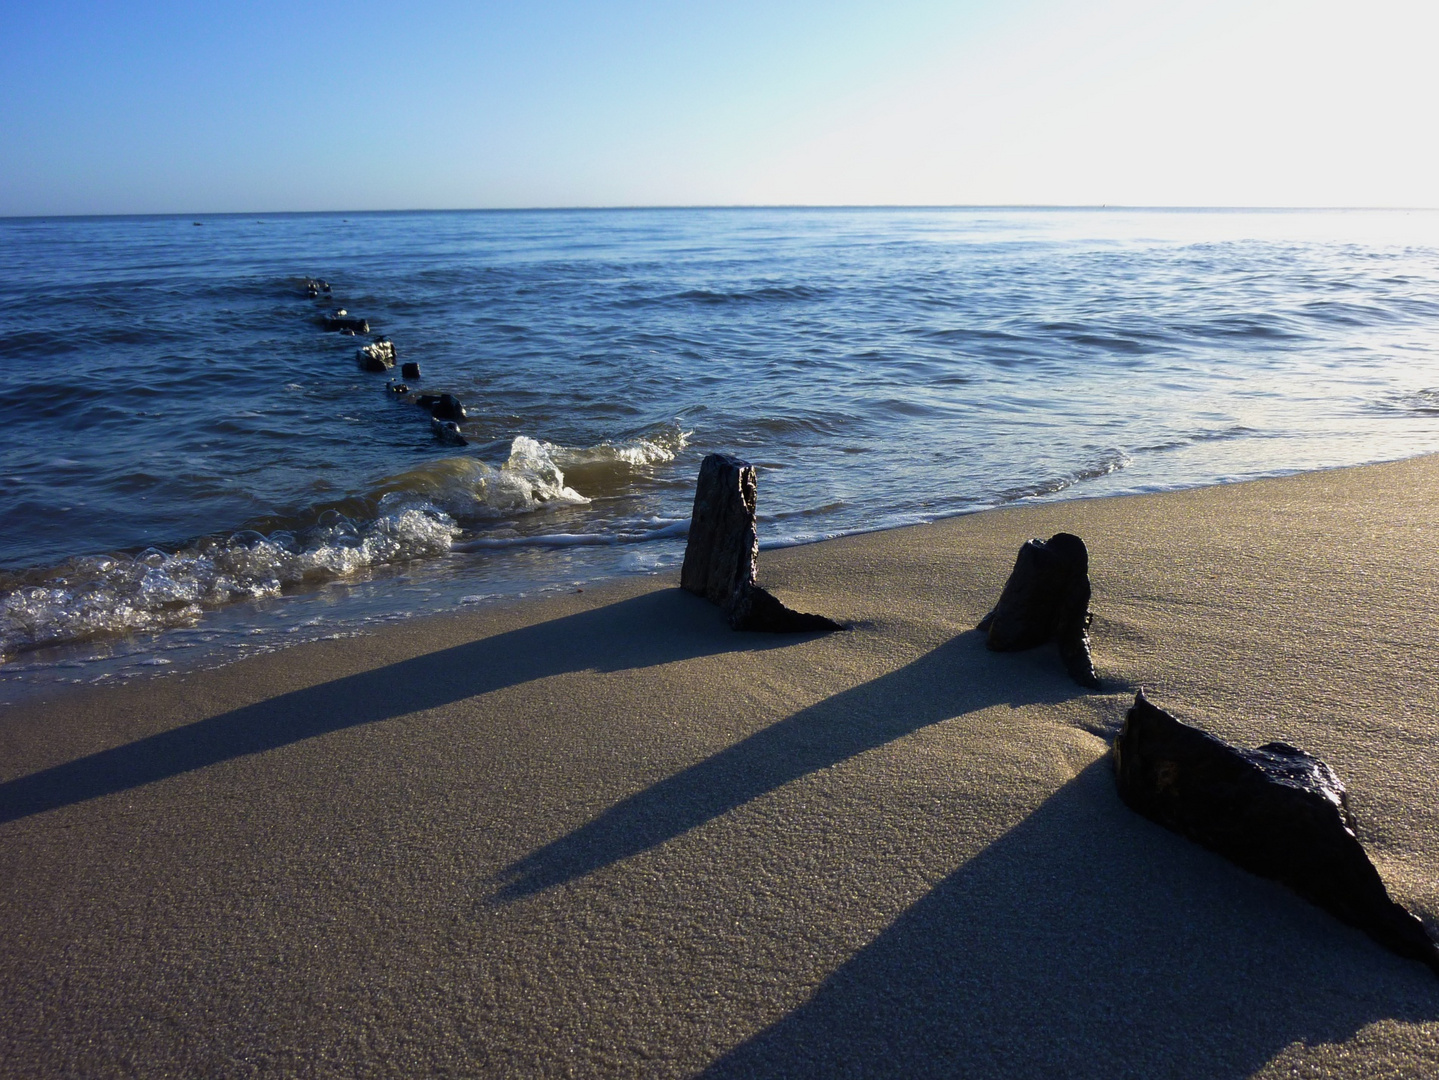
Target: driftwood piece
1046,599
722,549
1276,811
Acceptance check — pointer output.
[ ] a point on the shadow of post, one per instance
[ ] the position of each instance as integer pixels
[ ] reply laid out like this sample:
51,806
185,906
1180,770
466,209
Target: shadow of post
647,630
1088,942
956,678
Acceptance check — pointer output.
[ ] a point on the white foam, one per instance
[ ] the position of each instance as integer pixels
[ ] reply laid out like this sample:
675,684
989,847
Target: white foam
531,464
156,590
636,453
411,515
469,489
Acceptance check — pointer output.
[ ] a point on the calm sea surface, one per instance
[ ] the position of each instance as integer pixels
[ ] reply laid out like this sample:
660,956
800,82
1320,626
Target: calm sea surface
194,469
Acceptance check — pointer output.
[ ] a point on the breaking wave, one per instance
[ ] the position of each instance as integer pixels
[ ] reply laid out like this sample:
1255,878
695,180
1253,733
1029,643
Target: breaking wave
420,513
536,474
91,595
468,489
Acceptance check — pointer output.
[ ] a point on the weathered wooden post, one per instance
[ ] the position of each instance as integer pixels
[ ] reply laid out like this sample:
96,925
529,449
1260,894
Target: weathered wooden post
723,547
1047,599
1276,811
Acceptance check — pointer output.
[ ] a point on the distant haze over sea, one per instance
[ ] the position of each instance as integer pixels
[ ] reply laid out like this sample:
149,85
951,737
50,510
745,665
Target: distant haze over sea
195,468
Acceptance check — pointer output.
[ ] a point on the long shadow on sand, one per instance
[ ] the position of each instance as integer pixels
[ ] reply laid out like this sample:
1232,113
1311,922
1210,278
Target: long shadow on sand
958,677
1088,942
652,629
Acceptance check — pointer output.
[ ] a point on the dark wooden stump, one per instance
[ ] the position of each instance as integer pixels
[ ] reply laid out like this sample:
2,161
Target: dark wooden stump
723,543
722,549
1276,811
1046,599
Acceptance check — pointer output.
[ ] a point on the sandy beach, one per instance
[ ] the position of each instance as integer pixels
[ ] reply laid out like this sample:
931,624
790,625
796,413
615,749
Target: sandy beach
600,834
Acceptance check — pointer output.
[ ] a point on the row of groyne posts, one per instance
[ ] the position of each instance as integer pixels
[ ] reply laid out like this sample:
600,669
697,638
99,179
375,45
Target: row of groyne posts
1277,811
446,411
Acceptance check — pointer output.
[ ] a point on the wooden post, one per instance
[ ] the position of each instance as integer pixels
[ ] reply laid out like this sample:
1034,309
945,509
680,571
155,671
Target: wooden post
723,547
1276,811
1047,599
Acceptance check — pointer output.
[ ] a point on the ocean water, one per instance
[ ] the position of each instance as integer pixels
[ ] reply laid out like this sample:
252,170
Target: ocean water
195,469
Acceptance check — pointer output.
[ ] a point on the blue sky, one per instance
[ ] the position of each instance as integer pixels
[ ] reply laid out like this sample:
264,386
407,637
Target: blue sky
149,107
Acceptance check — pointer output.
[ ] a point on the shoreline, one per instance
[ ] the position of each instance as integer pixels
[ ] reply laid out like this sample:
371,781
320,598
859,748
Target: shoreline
111,660
601,833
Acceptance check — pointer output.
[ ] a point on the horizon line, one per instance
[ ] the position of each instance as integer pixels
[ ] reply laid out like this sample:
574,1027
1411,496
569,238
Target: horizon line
640,207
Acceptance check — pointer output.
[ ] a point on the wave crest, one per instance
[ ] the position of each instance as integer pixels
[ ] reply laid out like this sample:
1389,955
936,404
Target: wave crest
415,514
157,589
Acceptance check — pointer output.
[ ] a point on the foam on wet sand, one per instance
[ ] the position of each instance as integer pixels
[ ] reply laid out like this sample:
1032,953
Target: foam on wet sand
602,834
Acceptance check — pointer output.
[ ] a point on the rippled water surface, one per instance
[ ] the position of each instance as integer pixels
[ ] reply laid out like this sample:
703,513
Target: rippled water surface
194,468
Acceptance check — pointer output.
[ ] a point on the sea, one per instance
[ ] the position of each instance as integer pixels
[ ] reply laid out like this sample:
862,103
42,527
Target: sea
196,468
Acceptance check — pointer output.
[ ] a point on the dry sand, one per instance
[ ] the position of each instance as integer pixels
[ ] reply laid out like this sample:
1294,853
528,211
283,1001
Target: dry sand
601,834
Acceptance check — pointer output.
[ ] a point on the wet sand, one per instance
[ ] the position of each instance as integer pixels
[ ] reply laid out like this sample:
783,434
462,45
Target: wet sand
600,834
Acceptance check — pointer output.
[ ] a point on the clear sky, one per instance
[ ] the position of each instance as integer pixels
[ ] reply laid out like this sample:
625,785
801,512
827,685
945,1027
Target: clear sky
147,107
